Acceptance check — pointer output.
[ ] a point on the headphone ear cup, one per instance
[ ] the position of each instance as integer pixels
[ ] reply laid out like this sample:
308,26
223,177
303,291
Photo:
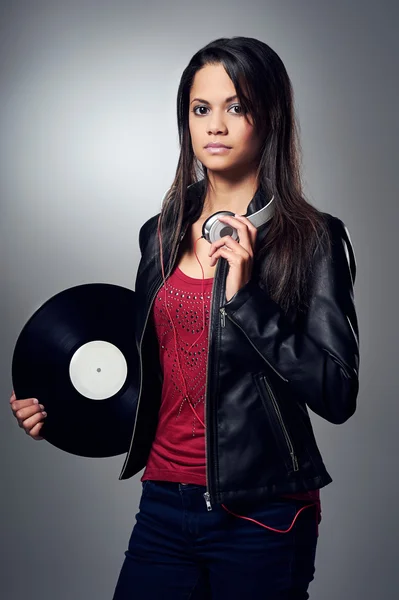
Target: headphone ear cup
213,229
219,230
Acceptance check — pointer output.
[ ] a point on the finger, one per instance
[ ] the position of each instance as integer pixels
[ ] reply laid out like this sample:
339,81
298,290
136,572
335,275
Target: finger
233,258
233,252
238,221
17,404
246,230
228,242
245,220
28,424
34,432
253,231
13,397
24,413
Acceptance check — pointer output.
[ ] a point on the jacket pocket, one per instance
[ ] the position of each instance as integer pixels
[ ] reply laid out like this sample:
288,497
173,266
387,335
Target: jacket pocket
274,414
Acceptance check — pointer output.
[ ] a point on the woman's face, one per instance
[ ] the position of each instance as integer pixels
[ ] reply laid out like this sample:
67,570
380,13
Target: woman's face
213,118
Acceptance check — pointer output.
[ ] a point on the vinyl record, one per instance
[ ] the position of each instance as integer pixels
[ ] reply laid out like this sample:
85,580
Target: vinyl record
77,355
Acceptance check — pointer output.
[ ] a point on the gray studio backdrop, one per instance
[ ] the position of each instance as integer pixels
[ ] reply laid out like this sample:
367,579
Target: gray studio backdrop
88,146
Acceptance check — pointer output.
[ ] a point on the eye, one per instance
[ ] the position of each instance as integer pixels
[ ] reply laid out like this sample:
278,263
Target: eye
237,106
200,106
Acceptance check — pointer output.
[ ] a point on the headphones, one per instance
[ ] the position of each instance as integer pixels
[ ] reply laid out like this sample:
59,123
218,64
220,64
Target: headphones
213,229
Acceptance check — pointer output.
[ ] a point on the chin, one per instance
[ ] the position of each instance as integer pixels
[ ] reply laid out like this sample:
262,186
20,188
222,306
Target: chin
219,168
215,162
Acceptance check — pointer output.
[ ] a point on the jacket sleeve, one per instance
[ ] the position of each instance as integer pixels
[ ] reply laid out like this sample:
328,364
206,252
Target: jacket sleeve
320,359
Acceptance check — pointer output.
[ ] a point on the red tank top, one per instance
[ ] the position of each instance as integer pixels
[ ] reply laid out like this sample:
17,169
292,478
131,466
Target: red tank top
178,450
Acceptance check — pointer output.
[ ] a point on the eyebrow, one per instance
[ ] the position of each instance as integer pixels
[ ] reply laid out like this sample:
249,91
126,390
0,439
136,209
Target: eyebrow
206,101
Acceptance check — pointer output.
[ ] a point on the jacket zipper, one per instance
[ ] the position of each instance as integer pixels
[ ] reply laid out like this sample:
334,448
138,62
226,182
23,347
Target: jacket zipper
141,363
283,427
206,495
223,322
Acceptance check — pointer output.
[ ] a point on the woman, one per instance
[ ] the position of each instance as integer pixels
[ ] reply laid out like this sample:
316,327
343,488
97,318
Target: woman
237,336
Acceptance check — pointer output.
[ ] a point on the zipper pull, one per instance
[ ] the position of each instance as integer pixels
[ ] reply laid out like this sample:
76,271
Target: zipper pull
207,501
223,317
295,462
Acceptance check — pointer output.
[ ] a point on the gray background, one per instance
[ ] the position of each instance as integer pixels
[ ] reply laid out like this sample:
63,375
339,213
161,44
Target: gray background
88,146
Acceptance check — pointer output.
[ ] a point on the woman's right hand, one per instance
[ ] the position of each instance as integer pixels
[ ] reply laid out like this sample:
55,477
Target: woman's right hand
29,414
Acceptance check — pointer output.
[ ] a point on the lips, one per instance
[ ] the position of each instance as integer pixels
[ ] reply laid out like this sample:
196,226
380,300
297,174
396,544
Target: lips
216,145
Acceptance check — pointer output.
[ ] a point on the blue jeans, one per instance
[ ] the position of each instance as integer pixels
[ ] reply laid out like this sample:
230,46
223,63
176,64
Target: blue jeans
180,550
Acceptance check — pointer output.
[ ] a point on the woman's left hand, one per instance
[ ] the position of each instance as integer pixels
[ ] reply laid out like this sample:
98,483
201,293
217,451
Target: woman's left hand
238,254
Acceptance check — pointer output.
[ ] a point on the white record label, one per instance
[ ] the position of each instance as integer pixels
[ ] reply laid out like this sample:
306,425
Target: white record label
98,370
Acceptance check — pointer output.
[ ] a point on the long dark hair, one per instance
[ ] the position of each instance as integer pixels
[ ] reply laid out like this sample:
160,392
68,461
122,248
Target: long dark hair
297,228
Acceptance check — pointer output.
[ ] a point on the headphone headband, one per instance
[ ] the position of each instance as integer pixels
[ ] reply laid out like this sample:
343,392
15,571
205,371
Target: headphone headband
213,229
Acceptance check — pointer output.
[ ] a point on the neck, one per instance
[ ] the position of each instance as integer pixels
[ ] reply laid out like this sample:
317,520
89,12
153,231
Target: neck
229,193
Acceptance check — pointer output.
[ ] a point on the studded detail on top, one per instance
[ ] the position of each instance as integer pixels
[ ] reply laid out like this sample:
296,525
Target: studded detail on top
185,303
178,448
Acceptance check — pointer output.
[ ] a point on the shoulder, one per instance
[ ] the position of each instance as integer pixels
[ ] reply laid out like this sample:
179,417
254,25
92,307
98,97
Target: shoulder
337,228
341,247
147,230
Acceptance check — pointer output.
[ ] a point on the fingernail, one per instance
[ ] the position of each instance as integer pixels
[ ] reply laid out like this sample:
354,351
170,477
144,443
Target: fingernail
44,414
35,401
42,407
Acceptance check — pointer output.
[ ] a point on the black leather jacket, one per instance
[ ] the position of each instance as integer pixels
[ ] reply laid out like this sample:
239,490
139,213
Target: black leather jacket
264,370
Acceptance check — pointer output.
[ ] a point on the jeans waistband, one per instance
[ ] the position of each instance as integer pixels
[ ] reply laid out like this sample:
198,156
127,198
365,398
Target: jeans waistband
179,485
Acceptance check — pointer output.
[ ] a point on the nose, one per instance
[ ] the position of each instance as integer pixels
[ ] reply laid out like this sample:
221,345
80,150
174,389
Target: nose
216,124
